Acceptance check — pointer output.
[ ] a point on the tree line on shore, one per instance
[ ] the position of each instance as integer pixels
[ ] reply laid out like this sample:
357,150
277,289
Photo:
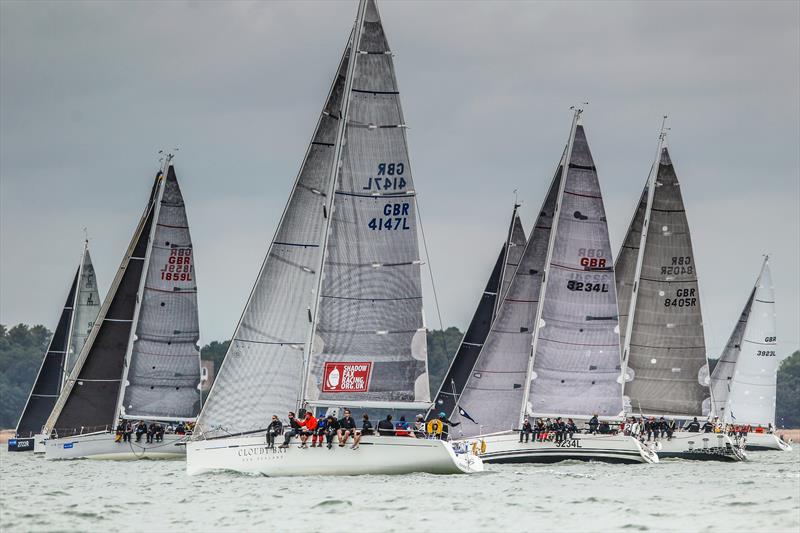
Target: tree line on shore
22,348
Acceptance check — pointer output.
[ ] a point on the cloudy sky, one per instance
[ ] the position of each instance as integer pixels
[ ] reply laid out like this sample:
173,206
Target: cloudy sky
89,92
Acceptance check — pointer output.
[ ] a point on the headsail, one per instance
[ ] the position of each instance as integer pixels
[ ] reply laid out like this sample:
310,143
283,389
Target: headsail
722,376
89,398
261,373
87,305
664,345
369,344
752,396
575,365
164,369
470,348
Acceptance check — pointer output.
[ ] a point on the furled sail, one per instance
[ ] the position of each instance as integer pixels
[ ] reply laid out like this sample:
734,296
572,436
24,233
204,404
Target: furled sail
494,390
89,399
470,348
370,339
77,318
48,382
664,346
752,395
575,348
722,376
164,370
261,372
87,305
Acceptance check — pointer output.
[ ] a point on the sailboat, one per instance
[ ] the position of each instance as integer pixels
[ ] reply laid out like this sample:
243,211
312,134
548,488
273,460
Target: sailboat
664,355
335,317
470,347
553,347
77,319
140,361
744,380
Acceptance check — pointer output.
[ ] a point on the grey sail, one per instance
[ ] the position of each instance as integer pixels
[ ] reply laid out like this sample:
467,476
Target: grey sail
261,372
370,338
471,344
667,370
87,305
722,376
89,399
494,391
164,368
576,363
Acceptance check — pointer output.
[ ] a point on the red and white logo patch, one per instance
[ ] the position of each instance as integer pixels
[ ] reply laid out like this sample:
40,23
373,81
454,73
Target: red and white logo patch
346,377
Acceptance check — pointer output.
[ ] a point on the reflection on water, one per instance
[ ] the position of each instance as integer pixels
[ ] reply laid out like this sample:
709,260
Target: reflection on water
761,495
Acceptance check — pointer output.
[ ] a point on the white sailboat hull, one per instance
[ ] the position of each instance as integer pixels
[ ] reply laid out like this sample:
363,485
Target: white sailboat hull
376,455
102,446
699,446
765,442
506,448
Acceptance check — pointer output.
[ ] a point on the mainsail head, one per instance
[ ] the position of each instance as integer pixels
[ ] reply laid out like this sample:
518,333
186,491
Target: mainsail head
666,365
753,392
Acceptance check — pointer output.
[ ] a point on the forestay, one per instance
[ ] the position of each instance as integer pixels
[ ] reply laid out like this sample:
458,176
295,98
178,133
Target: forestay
722,376
576,362
89,399
262,370
470,347
752,396
494,392
370,340
667,370
164,368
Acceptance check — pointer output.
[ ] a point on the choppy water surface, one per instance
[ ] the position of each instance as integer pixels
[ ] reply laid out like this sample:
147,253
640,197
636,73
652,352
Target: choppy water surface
760,495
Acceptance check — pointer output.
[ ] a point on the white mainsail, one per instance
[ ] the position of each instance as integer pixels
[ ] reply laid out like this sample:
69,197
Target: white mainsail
753,389
87,305
664,353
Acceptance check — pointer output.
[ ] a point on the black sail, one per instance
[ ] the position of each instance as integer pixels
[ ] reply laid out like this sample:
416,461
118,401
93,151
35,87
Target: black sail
89,399
48,382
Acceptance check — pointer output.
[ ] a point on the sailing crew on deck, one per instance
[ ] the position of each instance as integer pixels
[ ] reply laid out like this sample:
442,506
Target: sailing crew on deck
274,428
331,429
141,429
526,430
126,433
151,432
309,426
593,423
159,432
571,428
366,429
541,430
294,430
446,423
560,429
693,426
347,427
662,427
386,427
119,432
401,427
319,434
670,428
708,427
419,427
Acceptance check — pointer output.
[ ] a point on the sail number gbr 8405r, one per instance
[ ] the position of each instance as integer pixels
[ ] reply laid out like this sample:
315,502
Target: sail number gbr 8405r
394,215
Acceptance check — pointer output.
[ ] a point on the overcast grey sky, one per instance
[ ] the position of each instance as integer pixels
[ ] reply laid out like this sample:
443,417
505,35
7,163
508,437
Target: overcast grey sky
90,91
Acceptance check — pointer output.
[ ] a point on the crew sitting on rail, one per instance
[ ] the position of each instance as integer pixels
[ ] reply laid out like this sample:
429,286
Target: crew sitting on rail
366,429
273,429
309,425
593,423
526,430
401,427
347,427
319,434
571,428
294,429
386,427
419,427
693,426
540,431
670,428
331,429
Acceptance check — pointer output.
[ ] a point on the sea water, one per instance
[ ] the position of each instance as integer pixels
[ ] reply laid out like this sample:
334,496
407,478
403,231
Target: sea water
762,494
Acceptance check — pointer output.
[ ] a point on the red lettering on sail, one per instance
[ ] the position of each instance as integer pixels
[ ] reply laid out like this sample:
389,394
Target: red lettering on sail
346,377
179,265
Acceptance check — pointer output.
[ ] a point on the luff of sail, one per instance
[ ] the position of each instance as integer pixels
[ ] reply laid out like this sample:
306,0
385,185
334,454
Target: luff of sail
50,377
666,366
370,339
262,369
469,349
722,376
164,369
753,391
494,391
576,366
89,399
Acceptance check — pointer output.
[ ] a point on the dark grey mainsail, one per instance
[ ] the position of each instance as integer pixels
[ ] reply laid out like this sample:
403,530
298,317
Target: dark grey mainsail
164,369
575,365
494,391
88,401
663,343
262,370
470,348
722,376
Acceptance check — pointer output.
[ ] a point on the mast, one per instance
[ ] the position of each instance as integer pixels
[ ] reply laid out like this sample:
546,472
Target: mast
334,175
499,300
651,190
142,280
75,300
545,272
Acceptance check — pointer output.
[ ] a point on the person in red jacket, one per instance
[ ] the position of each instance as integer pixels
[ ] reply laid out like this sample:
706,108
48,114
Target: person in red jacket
309,425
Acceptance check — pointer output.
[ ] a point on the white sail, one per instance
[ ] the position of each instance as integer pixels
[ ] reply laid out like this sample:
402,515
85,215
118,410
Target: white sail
752,395
87,305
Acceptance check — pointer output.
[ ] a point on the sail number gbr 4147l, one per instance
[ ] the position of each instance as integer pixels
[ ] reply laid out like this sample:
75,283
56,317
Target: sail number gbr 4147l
389,177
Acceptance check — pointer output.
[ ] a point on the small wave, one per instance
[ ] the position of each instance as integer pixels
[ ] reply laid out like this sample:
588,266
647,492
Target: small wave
635,527
329,503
